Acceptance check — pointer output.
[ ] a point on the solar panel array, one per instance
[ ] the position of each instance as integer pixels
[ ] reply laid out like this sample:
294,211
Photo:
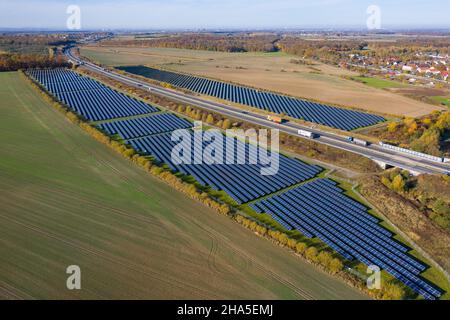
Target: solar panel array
149,125
297,108
320,209
317,209
87,97
241,180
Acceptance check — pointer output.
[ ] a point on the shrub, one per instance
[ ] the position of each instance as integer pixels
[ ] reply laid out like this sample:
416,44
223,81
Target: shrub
335,265
398,184
386,181
292,243
283,238
311,254
210,119
441,207
392,291
226,124
128,153
324,258
300,247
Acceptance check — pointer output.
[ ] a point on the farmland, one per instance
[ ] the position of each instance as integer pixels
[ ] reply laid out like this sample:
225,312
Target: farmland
297,108
271,71
379,83
445,101
386,253
67,199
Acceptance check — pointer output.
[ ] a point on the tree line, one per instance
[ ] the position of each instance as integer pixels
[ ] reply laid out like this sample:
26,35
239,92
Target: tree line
14,62
333,51
426,134
211,42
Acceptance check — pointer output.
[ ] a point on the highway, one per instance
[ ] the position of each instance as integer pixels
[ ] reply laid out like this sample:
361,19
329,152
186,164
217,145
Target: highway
415,165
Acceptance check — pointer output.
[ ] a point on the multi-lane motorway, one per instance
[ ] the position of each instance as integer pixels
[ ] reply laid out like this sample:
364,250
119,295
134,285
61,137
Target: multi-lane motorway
375,152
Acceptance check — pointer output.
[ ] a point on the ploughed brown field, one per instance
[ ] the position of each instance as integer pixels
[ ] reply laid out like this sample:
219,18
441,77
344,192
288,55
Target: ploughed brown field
271,71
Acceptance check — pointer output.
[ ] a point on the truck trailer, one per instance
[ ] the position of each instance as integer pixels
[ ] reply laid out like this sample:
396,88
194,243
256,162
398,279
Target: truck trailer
275,119
358,141
307,134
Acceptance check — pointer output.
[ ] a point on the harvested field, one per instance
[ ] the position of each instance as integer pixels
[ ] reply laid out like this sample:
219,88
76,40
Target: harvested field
67,199
271,71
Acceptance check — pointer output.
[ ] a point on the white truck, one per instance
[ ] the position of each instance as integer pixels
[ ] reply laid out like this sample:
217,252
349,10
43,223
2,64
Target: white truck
358,141
307,134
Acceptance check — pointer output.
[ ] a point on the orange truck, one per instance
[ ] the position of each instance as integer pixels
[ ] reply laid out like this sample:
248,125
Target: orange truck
275,119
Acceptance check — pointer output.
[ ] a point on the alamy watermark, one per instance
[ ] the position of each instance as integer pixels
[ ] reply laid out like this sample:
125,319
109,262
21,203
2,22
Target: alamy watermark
73,282
374,280
372,277
73,22
237,146
374,20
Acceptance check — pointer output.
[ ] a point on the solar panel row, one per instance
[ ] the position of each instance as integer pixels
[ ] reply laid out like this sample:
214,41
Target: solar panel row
316,208
87,97
139,127
243,182
297,108
45,76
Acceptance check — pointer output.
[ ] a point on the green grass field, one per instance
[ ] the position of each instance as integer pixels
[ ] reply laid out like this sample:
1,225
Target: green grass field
442,100
66,200
379,83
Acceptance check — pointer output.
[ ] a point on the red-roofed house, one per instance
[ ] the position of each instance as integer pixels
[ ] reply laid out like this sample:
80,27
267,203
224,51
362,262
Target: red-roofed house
444,75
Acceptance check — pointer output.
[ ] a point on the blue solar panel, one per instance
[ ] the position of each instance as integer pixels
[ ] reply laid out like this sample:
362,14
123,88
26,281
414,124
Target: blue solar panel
139,127
87,97
348,229
297,108
243,182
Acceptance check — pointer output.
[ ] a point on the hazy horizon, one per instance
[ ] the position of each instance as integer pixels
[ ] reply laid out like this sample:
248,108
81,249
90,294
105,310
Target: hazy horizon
231,14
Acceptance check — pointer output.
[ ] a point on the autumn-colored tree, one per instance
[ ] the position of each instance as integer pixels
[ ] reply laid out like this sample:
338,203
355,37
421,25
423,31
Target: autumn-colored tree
283,238
300,247
392,291
226,124
392,127
210,119
335,265
311,254
212,42
443,121
180,109
428,142
386,181
398,184
412,128
292,243
324,258
427,122
262,230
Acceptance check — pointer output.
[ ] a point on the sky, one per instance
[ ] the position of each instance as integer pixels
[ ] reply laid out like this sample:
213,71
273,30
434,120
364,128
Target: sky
222,14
